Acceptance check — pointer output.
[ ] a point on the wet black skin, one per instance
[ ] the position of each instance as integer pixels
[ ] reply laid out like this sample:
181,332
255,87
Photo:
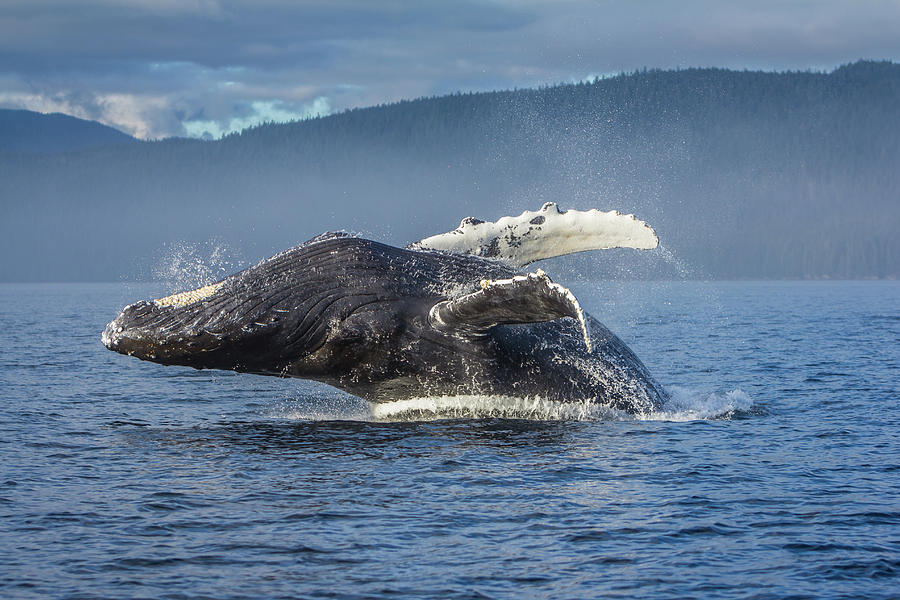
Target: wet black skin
353,313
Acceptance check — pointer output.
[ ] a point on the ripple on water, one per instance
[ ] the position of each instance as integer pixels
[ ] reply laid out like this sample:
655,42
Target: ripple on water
122,479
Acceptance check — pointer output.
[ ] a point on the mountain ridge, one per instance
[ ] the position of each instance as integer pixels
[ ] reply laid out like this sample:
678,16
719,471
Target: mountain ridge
26,131
744,174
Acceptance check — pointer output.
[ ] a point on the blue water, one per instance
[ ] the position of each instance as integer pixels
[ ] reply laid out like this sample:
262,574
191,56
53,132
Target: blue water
774,472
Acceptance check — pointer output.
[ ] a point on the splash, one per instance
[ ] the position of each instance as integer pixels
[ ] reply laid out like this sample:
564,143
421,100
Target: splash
492,407
186,266
684,405
683,270
318,406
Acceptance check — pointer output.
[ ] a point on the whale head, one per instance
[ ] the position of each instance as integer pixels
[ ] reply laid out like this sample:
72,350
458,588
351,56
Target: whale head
313,311
174,330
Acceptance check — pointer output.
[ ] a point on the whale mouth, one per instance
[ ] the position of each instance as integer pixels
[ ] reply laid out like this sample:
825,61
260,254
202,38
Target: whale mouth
176,330
146,330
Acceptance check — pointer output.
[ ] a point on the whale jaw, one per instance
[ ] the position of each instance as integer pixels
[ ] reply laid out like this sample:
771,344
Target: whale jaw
122,336
134,333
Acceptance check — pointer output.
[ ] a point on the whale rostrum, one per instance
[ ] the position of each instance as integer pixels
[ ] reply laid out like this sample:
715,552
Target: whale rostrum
433,319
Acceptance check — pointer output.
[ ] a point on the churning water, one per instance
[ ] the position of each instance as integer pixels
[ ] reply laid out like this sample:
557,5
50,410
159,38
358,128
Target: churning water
773,472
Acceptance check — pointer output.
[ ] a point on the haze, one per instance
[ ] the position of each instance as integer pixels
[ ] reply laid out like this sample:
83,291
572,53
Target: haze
779,162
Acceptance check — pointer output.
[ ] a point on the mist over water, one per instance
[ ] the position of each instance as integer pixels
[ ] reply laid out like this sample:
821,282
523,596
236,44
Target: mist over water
742,174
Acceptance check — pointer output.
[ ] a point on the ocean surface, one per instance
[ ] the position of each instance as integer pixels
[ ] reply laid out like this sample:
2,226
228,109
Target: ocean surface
774,472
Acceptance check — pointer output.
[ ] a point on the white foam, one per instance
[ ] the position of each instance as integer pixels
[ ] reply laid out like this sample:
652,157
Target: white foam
486,407
685,405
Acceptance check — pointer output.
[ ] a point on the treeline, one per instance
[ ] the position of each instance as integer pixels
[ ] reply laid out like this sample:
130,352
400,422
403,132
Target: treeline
743,174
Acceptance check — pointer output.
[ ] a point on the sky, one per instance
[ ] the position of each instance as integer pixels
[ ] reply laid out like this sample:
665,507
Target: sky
204,68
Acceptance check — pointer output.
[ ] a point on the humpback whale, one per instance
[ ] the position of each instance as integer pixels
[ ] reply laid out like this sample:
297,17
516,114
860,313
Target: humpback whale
450,315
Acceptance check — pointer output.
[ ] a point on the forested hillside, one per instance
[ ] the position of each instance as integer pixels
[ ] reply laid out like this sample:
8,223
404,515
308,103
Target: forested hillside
743,174
28,131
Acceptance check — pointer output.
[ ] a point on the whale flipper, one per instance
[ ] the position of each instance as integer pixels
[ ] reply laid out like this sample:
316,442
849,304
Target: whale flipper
530,298
546,233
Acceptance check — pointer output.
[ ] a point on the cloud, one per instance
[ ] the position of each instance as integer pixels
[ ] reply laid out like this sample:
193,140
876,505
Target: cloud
259,112
129,113
204,67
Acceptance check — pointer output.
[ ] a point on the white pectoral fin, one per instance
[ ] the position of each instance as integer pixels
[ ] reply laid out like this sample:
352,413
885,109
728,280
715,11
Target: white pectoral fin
545,233
530,298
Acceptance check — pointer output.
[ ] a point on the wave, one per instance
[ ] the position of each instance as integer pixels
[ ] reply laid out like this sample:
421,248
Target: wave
686,404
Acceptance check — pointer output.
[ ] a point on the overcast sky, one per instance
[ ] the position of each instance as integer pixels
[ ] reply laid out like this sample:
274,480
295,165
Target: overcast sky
157,68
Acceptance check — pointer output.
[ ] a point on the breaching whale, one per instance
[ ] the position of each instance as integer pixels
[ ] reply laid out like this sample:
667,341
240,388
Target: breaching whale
450,315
